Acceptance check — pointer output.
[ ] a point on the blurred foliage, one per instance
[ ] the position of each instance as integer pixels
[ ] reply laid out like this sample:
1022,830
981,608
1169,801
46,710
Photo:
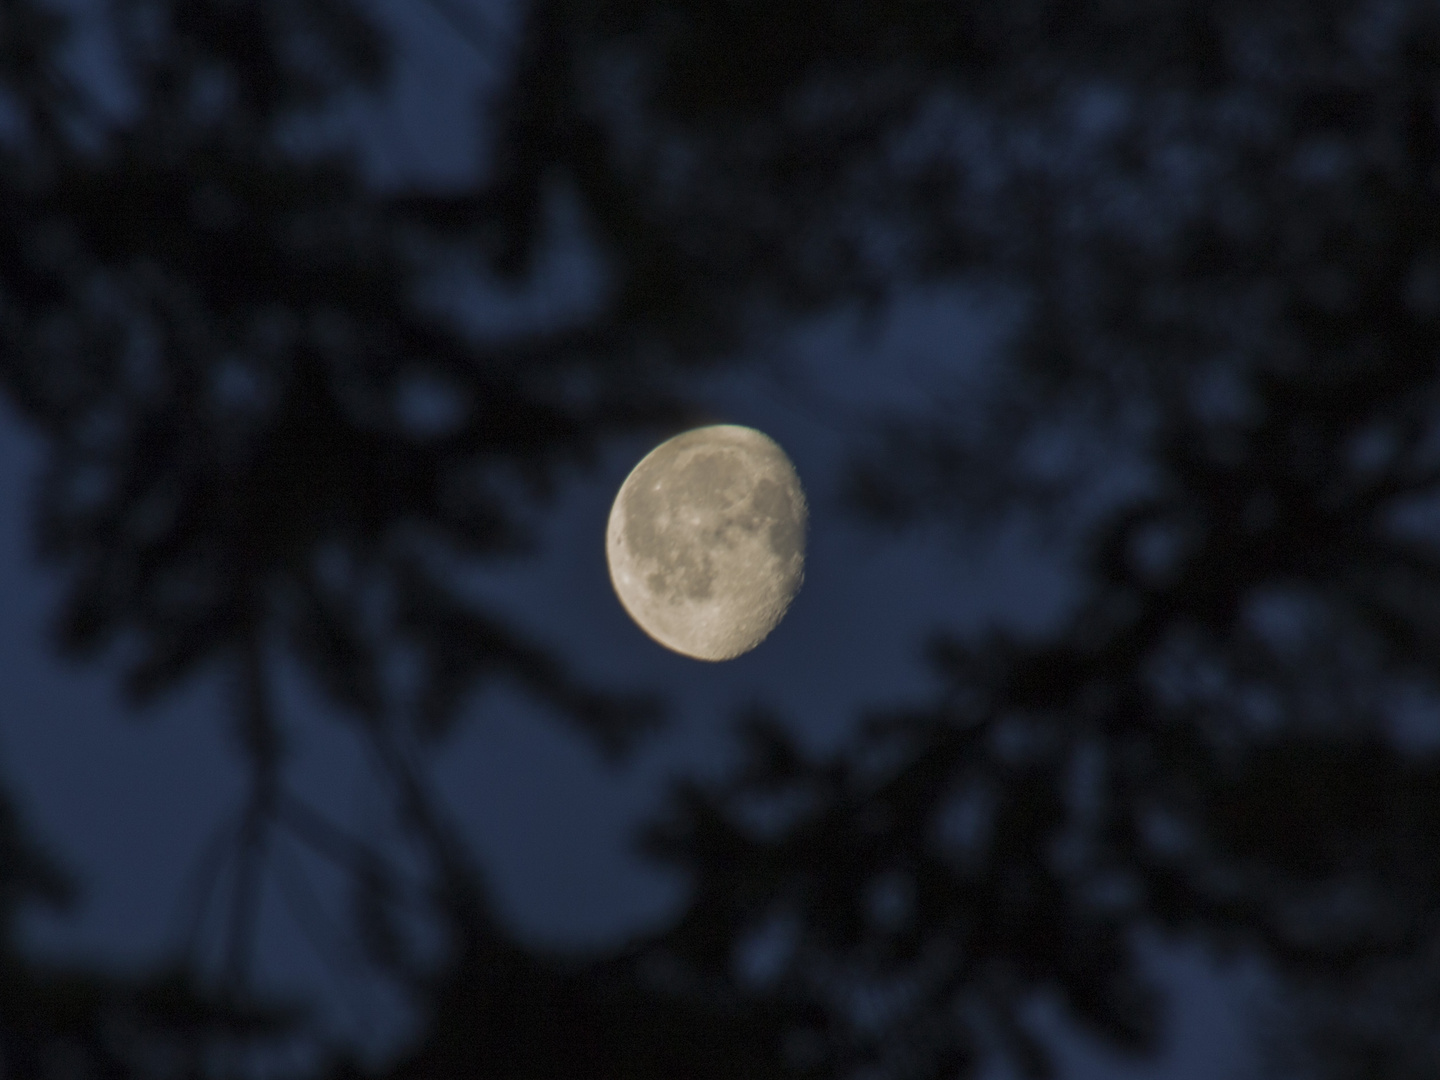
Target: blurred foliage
1220,223
58,1020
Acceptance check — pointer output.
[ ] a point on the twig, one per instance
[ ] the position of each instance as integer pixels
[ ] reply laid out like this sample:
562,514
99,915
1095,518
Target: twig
460,889
476,28
317,832
329,943
260,739
321,834
204,878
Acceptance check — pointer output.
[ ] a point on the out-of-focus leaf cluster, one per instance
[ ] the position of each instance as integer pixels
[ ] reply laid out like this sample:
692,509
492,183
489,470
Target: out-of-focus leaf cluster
223,345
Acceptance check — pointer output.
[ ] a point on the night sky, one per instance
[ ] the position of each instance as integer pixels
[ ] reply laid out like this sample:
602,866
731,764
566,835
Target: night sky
130,801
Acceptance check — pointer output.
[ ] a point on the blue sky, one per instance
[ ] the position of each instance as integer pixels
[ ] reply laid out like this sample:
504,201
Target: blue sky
131,800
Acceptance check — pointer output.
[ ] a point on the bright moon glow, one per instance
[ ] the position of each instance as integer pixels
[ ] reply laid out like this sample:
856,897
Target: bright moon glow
706,541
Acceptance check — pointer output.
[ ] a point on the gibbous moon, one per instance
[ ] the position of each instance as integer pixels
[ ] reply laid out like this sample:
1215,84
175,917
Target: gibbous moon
706,541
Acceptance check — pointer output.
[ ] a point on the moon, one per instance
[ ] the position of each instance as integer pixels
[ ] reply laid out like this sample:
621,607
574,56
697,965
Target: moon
706,541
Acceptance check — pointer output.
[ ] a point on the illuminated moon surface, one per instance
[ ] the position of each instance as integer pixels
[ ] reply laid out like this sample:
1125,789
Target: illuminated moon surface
706,541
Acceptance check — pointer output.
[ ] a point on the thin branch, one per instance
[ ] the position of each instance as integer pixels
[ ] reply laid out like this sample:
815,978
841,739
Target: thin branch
460,887
261,741
476,28
204,879
321,834
329,943
316,831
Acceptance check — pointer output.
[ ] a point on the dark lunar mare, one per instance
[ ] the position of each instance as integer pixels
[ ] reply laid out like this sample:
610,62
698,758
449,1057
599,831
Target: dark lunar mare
714,483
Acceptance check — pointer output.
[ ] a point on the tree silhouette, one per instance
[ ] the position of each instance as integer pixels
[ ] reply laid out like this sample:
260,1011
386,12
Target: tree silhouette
1221,225
1208,746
